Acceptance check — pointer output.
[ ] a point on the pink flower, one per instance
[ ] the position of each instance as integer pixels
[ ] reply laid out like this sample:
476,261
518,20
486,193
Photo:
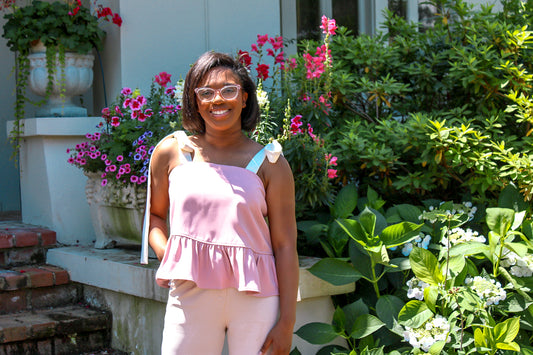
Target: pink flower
142,117
105,112
134,178
125,91
276,43
127,102
332,173
328,26
280,59
296,123
270,52
331,160
245,59
104,182
120,158
254,48
310,132
262,39
262,71
115,121
163,79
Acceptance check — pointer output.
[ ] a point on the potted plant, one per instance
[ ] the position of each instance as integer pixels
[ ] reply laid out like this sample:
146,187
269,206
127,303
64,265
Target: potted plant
51,30
116,157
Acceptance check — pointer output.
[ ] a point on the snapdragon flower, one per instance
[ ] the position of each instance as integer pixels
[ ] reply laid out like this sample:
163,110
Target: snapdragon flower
518,266
459,235
262,98
490,291
178,90
416,288
422,241
433,330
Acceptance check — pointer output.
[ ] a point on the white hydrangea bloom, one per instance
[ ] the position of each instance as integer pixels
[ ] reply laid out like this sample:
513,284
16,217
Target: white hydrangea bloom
518,266
459,235
488,290
416,288
433,330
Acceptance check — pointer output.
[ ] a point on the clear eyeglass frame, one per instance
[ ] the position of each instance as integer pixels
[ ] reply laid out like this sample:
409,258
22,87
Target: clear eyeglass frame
227,92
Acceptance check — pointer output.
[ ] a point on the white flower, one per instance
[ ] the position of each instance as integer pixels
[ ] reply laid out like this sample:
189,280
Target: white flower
416,288
433,330
459,235
488,290
178,92
262,98
519,266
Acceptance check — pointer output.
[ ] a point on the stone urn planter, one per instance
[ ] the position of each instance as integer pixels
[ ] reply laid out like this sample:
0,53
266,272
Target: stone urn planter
69,81
116,211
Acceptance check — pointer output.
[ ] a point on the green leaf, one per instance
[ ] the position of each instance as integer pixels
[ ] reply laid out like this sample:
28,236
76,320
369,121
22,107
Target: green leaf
479,338
335,271
352,312
500,220
354,229
414,314
368,221
508,346
505,332
317,333
345,202
431,295
437,347
409,213
511,198
295,351
365,325
469,248
400,233
425,266
339,321
387,309
456,264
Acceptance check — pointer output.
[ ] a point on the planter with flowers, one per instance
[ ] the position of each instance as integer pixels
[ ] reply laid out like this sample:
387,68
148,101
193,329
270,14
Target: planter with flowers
116,157
53,42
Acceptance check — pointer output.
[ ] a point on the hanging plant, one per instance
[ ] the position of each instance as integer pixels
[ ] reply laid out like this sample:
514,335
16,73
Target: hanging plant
59,26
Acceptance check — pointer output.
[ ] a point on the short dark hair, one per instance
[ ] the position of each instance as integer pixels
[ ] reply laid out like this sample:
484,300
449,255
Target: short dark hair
192,121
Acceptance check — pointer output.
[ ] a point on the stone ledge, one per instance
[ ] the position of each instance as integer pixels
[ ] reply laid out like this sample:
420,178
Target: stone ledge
119,270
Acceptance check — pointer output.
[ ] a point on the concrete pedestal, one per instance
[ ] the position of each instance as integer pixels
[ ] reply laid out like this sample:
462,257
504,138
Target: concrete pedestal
52,190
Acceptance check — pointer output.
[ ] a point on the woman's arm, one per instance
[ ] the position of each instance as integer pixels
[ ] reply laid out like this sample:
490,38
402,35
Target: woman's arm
159,200
282,221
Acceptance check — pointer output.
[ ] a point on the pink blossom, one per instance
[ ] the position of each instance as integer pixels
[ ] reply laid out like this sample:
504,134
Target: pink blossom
328,26
163,78
276,42
127,102
296,123
104,182
105,112
331,160
310,132
120,158
270,52
332,173
134,178
254,48
262,39
142,117
280,59
118,111
126,91
142,179
115,121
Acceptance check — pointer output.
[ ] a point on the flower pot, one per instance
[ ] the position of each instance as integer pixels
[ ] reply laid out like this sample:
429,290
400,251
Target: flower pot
74,79
116,211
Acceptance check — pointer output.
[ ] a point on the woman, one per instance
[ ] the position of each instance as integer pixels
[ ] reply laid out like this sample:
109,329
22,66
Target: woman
229,254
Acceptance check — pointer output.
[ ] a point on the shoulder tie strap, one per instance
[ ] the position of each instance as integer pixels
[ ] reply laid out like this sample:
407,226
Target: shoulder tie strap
271,151
185,150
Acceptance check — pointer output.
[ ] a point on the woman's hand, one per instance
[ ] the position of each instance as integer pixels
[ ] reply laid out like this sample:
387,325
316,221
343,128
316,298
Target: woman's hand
278,340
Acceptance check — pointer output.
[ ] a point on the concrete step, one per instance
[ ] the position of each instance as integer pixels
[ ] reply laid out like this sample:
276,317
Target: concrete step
23,244
73,329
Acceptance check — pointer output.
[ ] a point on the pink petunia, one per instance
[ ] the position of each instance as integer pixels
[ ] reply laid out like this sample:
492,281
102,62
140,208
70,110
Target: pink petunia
104,182
120,158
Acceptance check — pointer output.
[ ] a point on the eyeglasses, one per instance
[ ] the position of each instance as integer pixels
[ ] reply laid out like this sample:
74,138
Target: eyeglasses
228,92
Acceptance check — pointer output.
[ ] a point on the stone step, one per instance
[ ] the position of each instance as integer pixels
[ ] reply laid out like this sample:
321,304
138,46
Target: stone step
73,329
23,244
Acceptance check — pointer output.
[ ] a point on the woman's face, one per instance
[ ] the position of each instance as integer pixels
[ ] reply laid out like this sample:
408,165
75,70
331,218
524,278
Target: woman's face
221,112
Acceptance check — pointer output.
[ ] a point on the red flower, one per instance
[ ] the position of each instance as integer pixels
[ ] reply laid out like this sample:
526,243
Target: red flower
245,59
332,173
262,71
163,79
276,43
262,39
117,20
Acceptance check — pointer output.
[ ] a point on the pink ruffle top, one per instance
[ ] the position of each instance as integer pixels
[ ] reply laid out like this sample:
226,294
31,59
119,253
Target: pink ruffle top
218,235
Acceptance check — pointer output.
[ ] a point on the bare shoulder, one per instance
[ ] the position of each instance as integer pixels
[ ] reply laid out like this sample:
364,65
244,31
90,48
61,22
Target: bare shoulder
165,155
278,173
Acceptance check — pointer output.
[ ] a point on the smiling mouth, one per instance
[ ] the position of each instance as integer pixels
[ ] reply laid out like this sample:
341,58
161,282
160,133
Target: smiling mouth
219,112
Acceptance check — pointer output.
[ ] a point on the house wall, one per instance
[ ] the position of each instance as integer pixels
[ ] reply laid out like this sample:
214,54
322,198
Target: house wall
181,32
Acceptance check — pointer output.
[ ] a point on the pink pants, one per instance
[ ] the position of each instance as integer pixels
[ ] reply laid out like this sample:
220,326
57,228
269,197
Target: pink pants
197,321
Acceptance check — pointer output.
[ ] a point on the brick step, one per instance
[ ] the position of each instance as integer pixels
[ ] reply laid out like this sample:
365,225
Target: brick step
23,244
73,329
